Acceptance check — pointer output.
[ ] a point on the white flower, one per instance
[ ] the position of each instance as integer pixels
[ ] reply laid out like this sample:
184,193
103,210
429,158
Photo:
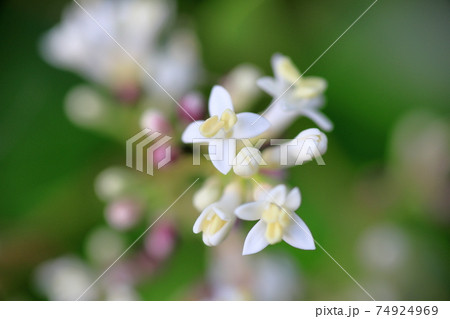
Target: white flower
277,221
309,144
217,219
222,129
78,43
294,94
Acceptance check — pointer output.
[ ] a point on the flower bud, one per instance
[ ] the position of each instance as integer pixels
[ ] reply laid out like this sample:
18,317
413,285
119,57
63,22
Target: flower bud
247,162
64,278
309,144
241,83
103,246
163,155
192,107
111,183
123,213
217,219
85,107
160,243
207,194
127,93
155,121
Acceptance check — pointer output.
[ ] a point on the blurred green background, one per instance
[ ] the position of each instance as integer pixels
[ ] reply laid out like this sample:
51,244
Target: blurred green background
388,83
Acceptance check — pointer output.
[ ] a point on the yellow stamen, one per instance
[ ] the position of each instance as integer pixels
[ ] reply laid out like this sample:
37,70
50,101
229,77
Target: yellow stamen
284,219
277,219
229,118
270,215
274,233
211,126
213,225
309,87
288,70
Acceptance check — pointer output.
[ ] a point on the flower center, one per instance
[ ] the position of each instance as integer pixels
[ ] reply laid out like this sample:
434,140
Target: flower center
288,71
213,125
309,87
212,224
277,220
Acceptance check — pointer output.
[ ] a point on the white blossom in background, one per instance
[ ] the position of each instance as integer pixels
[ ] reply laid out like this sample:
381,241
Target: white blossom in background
175,65
293,95
269,276
389,241
120,292
241,83
277,221
111,183
103,246
223,128
276,277
85,107
79,44
65,278
217,219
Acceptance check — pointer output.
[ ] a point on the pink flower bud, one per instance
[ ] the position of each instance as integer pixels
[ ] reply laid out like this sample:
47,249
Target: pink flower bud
160,243
123,214
277,174
155,121
192,107
163,155
128,93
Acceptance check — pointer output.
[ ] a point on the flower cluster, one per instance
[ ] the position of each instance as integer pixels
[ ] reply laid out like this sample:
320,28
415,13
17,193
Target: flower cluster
111,42
235,141
140,64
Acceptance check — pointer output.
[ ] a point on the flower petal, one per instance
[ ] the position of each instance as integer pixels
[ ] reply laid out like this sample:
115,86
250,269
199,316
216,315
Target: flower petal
293,200
278,194
284,69
222,212
206,239
231,198
269,85
249,125
275,61
298,234
256,240
221,152
219,101
251,211
315,83
319,118
199,221
192,132
220,236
